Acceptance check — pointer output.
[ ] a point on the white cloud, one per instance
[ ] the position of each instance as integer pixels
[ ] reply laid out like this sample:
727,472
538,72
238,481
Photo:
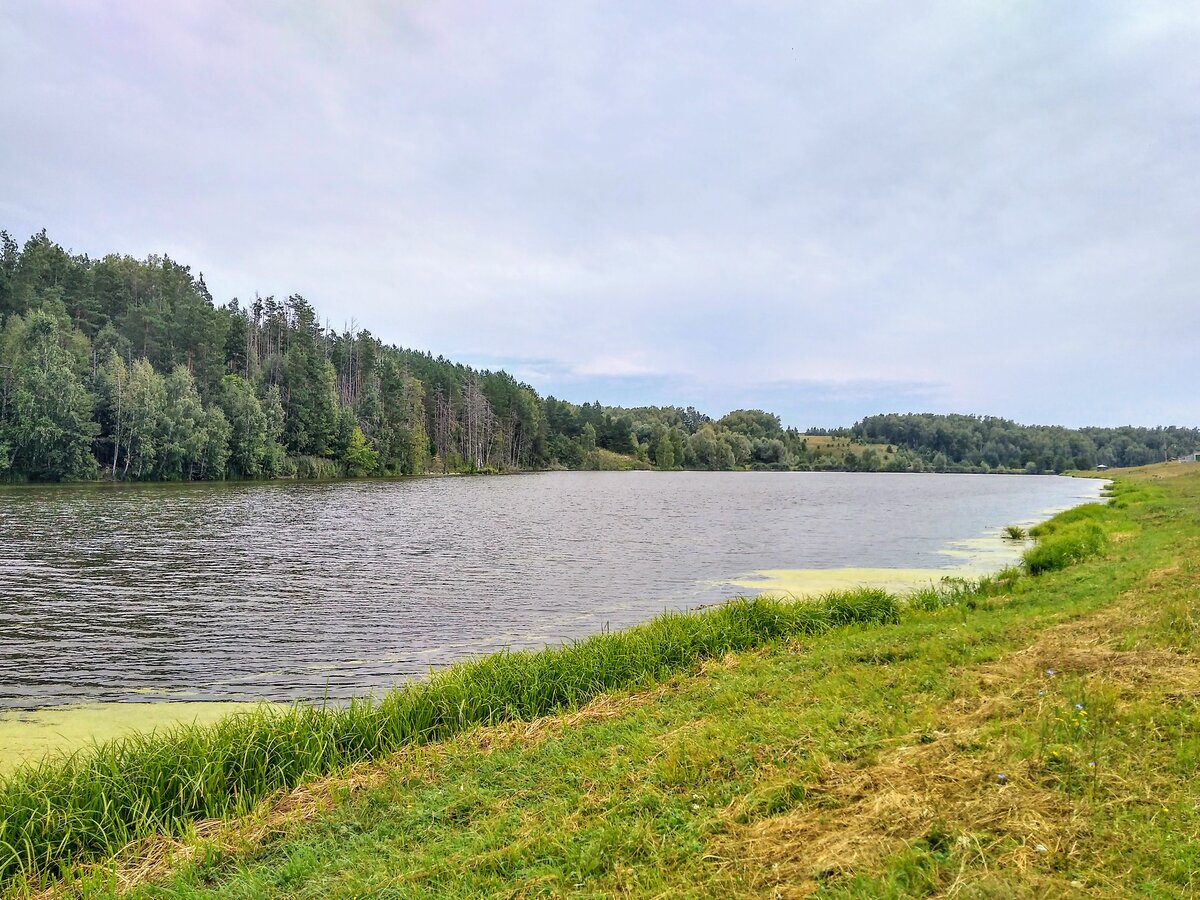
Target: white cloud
987,208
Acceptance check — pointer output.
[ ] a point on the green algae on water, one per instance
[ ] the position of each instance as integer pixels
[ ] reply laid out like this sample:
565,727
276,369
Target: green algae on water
968,558
28,736
818,582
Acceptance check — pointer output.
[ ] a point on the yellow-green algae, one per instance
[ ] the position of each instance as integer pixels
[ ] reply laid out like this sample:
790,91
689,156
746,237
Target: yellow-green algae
30,735
815,582
974,558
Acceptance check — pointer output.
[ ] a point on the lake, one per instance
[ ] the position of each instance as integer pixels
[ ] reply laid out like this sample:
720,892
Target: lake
330,590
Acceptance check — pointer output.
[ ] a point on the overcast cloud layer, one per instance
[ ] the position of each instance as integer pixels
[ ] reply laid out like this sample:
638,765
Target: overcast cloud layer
827,211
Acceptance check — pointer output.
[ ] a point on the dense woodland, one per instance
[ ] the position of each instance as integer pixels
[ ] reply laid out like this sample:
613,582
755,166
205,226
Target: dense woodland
982,443
127,369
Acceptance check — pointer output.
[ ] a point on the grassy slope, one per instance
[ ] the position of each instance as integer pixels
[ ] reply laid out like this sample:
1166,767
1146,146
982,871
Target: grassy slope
62,813
864,762
837,447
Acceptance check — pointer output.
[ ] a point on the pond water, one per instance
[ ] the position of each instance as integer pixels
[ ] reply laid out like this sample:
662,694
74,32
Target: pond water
330,590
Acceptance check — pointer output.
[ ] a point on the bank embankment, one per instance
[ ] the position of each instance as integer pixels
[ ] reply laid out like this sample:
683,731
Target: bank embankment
1027,735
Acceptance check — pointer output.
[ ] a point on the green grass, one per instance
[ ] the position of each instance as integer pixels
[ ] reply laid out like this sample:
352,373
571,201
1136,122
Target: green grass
853,761
1079,533
62,813
1064,547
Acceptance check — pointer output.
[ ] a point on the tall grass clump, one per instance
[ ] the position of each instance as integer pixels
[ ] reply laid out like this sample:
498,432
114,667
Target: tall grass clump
950,591
311,467
1070,518
64,812
1063,546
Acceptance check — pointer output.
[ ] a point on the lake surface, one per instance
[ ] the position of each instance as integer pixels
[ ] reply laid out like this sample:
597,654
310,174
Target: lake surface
311,590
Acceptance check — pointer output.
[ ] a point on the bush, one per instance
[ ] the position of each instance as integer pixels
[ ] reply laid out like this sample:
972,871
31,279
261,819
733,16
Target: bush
311,467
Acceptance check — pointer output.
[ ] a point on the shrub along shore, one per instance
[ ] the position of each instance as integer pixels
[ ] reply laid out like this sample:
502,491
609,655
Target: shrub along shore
61,814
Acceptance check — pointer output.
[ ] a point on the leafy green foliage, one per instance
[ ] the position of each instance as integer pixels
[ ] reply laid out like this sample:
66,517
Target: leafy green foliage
47,428
973,442
360,459
664,452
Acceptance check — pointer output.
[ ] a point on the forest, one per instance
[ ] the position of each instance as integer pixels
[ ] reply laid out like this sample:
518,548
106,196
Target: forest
983,443
127,369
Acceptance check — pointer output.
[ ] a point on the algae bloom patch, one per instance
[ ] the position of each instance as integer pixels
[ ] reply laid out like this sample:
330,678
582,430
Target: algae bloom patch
817,582
32,735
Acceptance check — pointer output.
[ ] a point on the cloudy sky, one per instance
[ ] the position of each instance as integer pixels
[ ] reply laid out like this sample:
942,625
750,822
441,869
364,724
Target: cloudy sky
827,210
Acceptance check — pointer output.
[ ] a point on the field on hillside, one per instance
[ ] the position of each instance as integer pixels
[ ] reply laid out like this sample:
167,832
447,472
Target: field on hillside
837,447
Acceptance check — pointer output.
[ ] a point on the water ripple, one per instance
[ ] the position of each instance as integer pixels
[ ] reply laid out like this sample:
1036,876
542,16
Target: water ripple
289,591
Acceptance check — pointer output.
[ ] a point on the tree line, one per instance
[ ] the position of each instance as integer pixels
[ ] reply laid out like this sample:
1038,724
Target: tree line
984,443
128,369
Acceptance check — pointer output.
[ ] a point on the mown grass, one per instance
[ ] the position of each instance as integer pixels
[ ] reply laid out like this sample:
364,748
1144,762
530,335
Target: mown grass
60,813
741,778
947,754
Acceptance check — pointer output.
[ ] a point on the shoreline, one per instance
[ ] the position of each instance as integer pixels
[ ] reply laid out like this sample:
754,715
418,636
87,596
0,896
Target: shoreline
35,734
44,733
338,479
129,789
253,757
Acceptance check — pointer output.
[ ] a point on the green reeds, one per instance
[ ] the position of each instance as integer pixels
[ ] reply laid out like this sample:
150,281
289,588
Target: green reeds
88,806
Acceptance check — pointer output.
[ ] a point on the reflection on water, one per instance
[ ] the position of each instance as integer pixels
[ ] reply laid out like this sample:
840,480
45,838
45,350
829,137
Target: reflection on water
311,590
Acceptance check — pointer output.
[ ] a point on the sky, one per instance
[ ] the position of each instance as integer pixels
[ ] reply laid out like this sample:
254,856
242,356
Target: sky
826,210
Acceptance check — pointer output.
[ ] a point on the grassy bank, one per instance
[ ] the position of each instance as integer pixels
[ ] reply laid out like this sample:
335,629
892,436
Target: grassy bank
1026,736
66,812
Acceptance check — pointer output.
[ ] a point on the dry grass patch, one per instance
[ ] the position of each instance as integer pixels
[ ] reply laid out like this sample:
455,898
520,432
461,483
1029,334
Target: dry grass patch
961,786
855,817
